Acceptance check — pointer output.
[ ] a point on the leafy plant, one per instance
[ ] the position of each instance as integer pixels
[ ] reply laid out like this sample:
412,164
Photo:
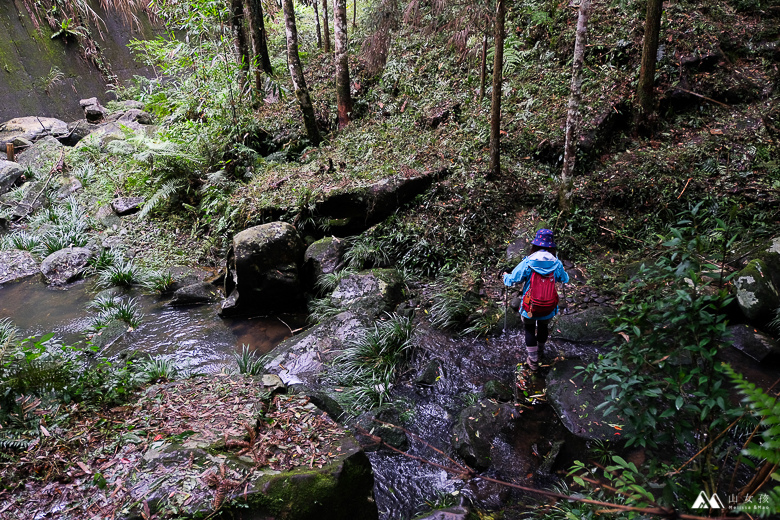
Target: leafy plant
160,368
122,273
371,361
112,308
249,362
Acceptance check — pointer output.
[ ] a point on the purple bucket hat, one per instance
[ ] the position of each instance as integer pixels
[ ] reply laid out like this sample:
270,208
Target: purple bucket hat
544,238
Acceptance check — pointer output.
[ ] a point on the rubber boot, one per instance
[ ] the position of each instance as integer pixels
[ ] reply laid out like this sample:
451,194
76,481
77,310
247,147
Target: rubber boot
533,357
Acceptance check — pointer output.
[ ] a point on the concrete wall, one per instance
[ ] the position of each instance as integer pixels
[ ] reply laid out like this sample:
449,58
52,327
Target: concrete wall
28,55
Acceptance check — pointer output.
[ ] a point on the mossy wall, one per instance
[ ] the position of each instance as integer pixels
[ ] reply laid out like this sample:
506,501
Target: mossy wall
27,56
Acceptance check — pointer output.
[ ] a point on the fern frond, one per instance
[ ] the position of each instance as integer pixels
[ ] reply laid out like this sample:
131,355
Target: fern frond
162,194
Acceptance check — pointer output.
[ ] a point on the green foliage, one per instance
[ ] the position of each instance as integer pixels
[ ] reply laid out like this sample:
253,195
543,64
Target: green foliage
767,408
249,362
121,273
112,308
456,304
160,368
370,362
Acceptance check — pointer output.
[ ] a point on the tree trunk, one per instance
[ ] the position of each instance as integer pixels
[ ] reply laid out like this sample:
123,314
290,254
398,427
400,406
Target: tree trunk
259,42
239,38
644,90
296,73
498,81
483,68
325,26
317,18
573,116
354,14
343,97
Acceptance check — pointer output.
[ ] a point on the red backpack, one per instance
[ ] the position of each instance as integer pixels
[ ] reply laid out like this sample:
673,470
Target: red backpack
541,298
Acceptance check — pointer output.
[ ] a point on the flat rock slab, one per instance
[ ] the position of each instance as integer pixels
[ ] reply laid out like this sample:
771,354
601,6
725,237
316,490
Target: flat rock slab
66,265
575,400
31,128
16,264
753,342
587,326
127,205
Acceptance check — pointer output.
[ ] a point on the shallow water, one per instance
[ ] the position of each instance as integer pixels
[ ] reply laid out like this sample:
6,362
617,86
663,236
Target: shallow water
194,336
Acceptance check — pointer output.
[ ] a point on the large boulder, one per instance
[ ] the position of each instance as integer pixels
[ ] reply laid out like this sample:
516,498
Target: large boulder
32,198
757,296
16,264
10,172
31,128
104,133
323,257
771,257
575,401
66,265
94,112
263,269
42,157
753,342
370,293
587,326
477,427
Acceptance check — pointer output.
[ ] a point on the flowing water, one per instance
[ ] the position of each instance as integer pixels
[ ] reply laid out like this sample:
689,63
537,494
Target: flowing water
195,336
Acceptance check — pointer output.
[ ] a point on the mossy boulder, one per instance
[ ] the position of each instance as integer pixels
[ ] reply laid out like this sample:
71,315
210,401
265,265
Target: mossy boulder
771,258
757,295
42,157
590,325
31,128
322,257
370,292
380,423
575,399
476,428
263,271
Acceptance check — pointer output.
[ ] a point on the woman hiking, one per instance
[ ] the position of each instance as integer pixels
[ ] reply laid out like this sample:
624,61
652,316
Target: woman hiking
540,302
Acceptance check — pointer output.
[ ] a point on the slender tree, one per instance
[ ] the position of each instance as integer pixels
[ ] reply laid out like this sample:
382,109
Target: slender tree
239,37
498,82
259,42
354,14
317,18
325,26
483,66
343,97
296,73
644,91
573,116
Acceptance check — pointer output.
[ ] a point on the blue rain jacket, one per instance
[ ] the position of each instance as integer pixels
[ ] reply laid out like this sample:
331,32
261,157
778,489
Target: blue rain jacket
543,263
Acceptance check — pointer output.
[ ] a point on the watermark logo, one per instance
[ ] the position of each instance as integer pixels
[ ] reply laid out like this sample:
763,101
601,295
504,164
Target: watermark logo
703,502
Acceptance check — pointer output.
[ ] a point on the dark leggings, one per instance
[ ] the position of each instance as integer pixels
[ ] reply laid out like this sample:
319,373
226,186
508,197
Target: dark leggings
534,337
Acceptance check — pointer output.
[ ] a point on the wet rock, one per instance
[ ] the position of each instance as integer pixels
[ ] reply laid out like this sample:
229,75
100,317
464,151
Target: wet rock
430,375
264,271
370,292
757,296
498,390
587,326
323,399
380,422
517,250
111,332
127,205
66,265
16,264
304,359
42,157
322,257
752,342
186,275
94,112
475,429
575,401
10,173
195,294
31,128
450,513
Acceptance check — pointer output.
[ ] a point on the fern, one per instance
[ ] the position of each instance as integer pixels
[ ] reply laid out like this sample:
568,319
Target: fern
768,408
162,194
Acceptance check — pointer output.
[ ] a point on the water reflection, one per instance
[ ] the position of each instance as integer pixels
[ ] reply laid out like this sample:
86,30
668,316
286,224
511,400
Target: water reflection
195,335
